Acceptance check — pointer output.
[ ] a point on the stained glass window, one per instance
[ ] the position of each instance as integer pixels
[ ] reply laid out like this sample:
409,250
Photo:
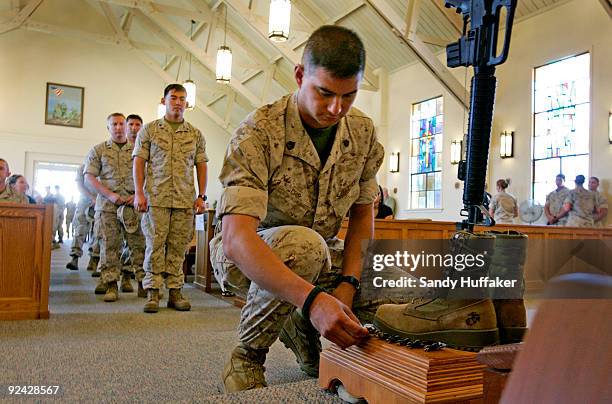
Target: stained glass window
425,154
561,123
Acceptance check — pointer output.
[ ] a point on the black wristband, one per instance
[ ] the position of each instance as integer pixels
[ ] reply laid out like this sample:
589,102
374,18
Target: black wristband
308,302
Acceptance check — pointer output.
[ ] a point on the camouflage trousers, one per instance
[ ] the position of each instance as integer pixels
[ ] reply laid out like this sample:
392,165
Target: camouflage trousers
132,255
307,254
81,228
168,232
58,224
111,235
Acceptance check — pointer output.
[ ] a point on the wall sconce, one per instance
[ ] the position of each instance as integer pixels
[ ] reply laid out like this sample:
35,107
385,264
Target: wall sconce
506,145
394,162
610,128
455,151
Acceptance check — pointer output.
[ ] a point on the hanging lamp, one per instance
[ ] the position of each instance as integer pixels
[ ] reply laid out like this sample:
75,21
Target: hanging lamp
280,18
189,85
224,59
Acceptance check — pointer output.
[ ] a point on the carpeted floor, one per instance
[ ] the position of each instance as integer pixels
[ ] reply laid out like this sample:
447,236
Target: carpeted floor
109,352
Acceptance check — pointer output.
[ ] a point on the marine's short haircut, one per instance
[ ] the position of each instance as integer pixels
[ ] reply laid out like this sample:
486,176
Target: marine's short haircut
579,179
133,116
336,49
595,178
4,161
175,87
114,114
562,176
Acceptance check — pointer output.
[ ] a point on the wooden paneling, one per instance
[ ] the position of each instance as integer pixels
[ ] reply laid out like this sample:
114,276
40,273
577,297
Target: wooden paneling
25,261
203,272
543,260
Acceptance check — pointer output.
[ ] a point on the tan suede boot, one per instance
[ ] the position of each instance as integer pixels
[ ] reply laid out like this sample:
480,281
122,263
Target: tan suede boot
177,301
101,287
302,338
462,318
152,304
245,369
508,262
126,285
141,291
112,292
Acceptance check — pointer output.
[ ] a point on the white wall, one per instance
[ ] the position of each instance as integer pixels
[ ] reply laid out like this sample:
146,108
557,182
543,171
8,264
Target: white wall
113,81
572,28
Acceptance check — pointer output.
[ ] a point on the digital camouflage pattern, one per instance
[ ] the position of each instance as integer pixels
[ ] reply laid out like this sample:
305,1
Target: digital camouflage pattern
81,227
555,201
12,196
112,165
601,202
168,233
583,204
272,172
171,157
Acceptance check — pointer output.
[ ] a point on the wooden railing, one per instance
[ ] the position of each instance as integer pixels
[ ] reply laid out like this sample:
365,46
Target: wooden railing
25,260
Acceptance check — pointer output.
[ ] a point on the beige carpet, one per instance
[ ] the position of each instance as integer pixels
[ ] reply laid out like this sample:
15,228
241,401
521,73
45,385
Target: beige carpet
109,352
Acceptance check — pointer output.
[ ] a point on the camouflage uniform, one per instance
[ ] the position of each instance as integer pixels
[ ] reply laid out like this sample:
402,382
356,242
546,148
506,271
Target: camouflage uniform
112,165
503,205
601,202
12,196
170,192
555,201
132,254
583,204
70,211
81,227
58,219
272,172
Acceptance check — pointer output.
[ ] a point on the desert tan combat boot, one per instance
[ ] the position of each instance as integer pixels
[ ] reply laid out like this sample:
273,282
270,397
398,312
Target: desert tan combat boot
126,285
73,265
177,301
302,338
245,369
112,293
462,318
508,262
152,304
101,287
92,264
141,291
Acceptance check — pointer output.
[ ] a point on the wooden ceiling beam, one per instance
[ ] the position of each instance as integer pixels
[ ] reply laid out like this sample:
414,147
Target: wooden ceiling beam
22,16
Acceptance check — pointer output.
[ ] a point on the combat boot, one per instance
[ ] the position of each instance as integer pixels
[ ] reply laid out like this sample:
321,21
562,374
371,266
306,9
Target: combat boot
141,291
152,304
112,292
177,301
245,369
461,317
126,285
302,338
100,288
73,265
93,263
508,263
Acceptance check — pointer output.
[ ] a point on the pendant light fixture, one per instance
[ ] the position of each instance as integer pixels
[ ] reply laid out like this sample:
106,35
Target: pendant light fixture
280,18
189,84
224,58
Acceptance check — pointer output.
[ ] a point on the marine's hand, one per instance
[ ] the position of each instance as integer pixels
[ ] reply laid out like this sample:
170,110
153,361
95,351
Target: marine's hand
345,292
140,202
335,321
116,199
129,200
199,206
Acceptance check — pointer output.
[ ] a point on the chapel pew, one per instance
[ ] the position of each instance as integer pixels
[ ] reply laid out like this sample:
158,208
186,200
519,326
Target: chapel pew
25,261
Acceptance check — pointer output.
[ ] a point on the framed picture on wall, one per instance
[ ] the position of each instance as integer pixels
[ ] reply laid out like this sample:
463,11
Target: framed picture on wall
64,105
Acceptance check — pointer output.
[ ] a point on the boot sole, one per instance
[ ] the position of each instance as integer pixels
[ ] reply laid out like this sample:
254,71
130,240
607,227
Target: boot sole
512,335
72,267
464,340
151,310
100,292
128,290
95,274
172,306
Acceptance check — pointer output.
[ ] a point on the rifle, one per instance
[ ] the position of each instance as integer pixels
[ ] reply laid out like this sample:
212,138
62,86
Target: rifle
477,47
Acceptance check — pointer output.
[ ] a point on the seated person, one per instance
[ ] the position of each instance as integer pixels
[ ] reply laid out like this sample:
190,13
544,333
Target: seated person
504,207
381,211
7,193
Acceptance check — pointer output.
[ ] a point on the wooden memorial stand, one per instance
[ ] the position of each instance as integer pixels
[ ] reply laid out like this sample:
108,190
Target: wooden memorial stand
382,372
